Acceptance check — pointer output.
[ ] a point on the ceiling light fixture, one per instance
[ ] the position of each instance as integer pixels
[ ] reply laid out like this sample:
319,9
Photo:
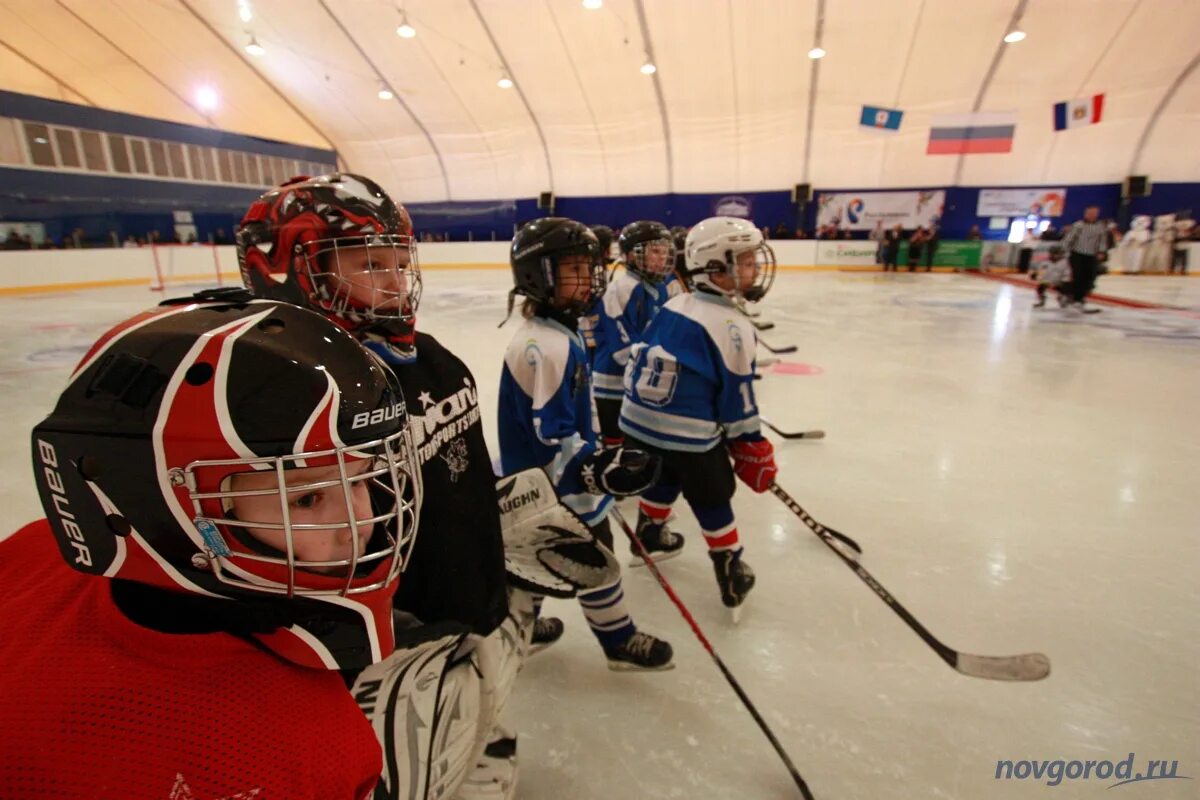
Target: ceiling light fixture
254,48
207,98
385,93
405,31
816,52
1014,36
592,5
505,82
648,68
244,11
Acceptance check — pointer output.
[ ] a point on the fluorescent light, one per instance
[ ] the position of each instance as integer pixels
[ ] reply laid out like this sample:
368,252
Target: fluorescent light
385,94
649,69
505,82
592,5
816,52
254,48
1012,37
206,98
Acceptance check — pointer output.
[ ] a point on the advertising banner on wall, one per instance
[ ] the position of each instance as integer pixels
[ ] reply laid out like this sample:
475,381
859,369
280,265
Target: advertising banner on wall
734,205
1020,202
846,253
860,211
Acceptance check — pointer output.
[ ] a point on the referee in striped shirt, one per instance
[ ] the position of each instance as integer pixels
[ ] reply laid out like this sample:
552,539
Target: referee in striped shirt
1087,242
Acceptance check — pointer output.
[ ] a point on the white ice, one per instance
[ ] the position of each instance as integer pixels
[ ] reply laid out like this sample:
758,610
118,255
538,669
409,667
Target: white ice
1021,480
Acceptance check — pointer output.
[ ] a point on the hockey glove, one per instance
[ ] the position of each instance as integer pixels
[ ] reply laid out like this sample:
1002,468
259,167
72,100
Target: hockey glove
754,463
621,471
548,549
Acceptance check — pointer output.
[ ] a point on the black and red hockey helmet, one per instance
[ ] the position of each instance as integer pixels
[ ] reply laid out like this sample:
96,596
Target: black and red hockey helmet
335,243
143,463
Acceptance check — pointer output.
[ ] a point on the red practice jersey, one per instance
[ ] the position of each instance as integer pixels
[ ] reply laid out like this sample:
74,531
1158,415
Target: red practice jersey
94,706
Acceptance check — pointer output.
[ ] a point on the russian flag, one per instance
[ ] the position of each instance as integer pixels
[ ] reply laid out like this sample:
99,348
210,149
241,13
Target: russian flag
963,134
1077,113
884,118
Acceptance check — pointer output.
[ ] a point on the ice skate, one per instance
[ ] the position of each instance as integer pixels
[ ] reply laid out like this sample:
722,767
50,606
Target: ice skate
735,579
546,631
641,651
660,541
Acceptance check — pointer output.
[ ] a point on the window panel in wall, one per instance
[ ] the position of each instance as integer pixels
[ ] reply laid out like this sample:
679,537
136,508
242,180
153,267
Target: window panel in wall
141,161
37,136
226,166
93,151
239,167
68,151
158,158
120,156
10,143
175,160
193,153
253,170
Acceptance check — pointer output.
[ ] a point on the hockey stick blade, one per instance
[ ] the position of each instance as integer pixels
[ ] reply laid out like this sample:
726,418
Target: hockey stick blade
762,326
1027,667
1024,667
779,351
817,434
636,544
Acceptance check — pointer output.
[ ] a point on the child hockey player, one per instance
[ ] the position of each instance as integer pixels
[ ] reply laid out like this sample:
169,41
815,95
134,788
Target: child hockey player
230,491
689,397
546,412
1055,274
629,303
338,245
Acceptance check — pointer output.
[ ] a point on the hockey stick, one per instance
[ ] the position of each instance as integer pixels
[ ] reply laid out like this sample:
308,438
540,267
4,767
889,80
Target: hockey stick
1024,667
791,348
817,434
691,621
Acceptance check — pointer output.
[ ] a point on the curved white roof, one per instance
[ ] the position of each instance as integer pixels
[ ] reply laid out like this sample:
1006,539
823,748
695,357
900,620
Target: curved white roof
727,109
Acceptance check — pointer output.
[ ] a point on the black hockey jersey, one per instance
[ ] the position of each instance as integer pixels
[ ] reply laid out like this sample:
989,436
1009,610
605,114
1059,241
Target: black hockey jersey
456,570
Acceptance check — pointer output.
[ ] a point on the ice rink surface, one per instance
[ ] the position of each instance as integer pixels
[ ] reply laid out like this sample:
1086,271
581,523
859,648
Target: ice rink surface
1020,479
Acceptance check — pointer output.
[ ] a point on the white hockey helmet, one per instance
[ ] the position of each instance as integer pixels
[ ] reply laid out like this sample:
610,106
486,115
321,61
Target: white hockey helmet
717,245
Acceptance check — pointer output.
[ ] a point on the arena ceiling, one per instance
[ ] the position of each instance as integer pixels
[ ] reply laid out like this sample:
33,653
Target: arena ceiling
735,104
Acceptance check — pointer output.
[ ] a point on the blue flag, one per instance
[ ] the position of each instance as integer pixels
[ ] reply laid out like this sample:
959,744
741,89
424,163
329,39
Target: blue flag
887,118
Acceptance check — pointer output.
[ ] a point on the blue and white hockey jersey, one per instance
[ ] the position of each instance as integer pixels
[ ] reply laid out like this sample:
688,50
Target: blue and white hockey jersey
622,314
690,381
546,415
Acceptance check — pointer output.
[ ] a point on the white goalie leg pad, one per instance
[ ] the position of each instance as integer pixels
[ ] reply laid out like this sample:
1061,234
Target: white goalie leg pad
429,716
503,653
500,657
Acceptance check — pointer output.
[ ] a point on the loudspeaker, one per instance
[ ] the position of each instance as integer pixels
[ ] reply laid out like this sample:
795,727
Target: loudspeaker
546,201
802,193
1136,186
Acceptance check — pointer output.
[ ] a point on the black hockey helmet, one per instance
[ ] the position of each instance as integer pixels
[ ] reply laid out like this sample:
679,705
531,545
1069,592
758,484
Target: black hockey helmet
537,250
649,250
605,236
146,463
